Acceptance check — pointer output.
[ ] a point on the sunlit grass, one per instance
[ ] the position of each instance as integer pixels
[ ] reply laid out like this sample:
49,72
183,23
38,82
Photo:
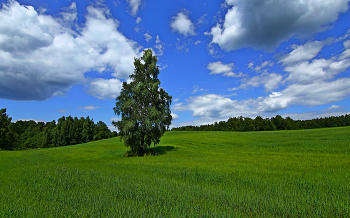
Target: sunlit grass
202,174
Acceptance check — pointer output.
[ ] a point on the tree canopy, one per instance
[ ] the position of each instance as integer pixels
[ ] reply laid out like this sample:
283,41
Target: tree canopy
67,131
143,106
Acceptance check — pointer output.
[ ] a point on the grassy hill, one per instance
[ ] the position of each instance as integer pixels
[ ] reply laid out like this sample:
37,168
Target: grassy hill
303,173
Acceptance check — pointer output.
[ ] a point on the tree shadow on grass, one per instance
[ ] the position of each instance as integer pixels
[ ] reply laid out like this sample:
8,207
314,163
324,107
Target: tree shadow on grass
152,151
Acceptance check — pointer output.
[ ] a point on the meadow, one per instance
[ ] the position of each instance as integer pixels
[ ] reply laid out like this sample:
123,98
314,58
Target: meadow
301,173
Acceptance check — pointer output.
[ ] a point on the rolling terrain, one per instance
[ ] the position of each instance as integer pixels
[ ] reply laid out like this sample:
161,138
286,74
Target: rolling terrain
302,173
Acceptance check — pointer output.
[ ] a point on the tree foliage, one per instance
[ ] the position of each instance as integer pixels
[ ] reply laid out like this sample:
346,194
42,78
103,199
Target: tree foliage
241,124
144,107
67,131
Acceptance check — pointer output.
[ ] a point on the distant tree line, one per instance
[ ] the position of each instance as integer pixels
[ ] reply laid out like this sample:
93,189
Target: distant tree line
245,124
67,131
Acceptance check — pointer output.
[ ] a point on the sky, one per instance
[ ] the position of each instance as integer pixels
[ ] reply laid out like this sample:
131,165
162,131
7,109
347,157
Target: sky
217,59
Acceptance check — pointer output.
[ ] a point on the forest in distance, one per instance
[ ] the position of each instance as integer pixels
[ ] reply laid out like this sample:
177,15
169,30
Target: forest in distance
246,124
67,131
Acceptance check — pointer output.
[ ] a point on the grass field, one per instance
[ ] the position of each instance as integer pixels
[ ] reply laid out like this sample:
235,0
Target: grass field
198,174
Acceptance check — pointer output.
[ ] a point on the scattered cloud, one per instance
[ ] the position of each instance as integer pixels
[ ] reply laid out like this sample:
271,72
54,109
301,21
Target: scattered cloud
42,56
159,47
265,24
182,45
138,20
89,108
211,107
317,70
134,5
263,65
105,88
270,82
197,42
304,52
333,107
202,20
182,24
163,67
147,37
196,89
175,116
61,110
224,69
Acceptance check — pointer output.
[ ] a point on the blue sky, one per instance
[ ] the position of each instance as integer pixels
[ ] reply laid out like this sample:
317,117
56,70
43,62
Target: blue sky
218,59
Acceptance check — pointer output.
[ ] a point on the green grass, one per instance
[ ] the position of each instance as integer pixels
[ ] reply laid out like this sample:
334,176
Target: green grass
199,174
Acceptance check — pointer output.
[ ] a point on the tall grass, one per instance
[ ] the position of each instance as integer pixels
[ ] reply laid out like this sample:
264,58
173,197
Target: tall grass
203,174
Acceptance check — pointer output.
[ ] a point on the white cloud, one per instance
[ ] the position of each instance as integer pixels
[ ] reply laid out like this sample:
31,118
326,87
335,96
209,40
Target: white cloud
197,42
345,54
304,52
163,67
115,119
319,69
175,116
265,24
209,108
258,68
270,82
42,56
182,24
134,5
221,68
147,37
159,47
333,107
89,108
347,44
105,88
318,93
138,20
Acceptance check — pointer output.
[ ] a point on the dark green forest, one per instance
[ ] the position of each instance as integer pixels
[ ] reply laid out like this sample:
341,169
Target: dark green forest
67,131
246,124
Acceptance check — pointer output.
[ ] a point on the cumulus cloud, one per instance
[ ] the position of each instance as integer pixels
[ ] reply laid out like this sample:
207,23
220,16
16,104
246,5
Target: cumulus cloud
182,24
221,68
175,116
105,88
333,107
42,56
319,69
314,94
304,52
265,24
134,5
270,81
211,107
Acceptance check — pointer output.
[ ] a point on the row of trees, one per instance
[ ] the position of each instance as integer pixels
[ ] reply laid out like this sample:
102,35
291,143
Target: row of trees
245,124
67,131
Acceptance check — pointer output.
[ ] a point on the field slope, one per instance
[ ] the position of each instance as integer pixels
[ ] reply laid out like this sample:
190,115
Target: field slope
198,174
